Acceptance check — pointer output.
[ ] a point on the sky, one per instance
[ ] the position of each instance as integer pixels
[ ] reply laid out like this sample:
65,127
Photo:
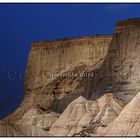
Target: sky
22,24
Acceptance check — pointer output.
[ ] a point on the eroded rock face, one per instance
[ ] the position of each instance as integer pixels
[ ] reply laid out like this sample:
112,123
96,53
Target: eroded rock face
120,71
8,130
65,56
125,59
38,117
82,114
104,104
120,74
128,122
20,130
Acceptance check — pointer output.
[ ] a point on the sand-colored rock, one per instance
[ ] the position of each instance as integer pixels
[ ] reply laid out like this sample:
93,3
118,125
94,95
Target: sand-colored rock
124,59
62,56
82,113
103,105
9,130
128,122
38,117
20,130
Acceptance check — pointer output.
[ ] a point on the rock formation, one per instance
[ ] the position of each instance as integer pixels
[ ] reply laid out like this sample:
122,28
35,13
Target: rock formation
81,87
38,117
70,56
82,113
20,130
125,59
128,121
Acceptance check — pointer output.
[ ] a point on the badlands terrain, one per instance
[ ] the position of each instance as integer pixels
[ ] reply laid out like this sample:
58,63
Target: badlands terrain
88,86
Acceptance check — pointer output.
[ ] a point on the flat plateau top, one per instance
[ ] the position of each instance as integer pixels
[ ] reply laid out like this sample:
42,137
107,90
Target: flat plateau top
133,21
36,43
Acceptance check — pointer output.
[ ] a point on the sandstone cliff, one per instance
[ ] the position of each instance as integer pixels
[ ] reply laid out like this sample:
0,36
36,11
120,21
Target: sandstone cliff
59,57
119,74
125,59
104,104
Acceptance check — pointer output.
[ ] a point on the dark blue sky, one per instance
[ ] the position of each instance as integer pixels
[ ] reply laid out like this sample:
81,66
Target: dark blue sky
21,24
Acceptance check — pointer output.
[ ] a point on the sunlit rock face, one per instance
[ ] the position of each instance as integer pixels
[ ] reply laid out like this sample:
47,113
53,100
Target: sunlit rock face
38,117
128,122
106,103
54,93
20,130
83,114
63,55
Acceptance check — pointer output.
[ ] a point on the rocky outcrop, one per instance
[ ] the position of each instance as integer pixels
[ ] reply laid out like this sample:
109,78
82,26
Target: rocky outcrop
125,59
8,130
20,130
128,122
82,87
37,117
119,72
70,56
82,114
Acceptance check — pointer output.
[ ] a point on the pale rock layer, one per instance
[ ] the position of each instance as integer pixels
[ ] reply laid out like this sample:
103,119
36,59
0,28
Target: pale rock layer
20,130
82,114
38,117
128,121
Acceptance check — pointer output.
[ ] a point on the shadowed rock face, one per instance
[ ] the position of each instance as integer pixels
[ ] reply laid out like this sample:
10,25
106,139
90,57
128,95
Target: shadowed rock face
124,59
119,72
104,104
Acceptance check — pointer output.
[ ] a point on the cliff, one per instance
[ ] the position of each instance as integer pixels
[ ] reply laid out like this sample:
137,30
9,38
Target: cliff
119,74
60,57
60,102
